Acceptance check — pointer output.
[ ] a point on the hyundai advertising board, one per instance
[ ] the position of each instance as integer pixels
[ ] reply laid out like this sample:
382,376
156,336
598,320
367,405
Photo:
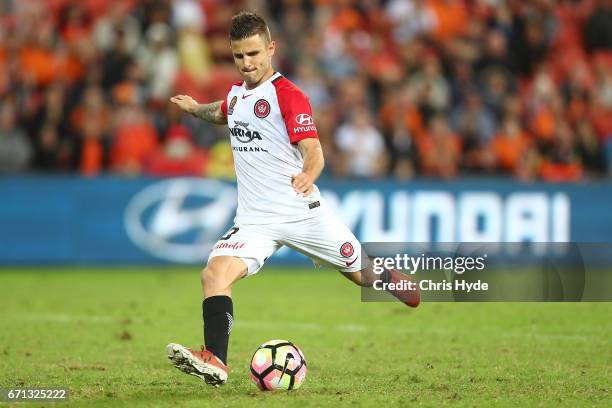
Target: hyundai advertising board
119,221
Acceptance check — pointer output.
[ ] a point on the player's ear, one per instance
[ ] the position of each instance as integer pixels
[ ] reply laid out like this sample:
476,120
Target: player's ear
271,47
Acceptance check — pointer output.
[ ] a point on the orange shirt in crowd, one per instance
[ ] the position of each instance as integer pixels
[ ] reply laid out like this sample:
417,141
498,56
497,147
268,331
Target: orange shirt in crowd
74,33
92,157
347,18
132,145
46,67
561,172
451,18
543,123
602,122
410,117
80,114
508,150
440,157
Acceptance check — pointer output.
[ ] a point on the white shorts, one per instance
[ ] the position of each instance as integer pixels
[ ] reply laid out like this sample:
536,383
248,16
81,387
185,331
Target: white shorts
324,238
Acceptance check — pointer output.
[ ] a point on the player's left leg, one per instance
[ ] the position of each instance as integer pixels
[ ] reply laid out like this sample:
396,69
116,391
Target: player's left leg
366,278
327,240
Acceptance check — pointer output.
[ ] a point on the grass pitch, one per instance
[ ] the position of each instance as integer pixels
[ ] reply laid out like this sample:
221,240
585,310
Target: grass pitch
102,333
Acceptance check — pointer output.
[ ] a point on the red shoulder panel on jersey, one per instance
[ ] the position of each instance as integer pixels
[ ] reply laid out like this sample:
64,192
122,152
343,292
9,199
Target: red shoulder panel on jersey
224,103
295,109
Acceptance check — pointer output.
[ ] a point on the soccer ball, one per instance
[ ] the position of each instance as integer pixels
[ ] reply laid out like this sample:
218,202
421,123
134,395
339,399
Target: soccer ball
278,365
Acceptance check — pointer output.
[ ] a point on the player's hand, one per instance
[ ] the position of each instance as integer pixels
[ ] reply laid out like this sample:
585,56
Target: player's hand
302,184
185,102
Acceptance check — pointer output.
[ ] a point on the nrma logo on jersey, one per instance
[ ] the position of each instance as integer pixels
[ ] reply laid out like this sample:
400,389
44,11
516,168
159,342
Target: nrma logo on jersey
180,220
242,132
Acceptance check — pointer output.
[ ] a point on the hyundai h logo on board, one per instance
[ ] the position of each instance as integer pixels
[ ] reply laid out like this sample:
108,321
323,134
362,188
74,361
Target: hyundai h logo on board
180,220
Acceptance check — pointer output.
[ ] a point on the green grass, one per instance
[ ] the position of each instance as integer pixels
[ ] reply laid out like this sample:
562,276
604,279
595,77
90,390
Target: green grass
102,334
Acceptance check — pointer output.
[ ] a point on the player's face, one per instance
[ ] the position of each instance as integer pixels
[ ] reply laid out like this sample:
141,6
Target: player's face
253,59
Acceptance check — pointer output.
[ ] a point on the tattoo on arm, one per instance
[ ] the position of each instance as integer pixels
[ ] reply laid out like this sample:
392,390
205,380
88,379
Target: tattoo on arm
211,112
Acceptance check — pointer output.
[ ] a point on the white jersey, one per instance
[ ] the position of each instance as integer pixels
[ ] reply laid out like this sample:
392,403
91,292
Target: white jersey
265,125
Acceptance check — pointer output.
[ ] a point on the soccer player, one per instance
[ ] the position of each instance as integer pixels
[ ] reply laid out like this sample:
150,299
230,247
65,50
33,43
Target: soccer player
278,157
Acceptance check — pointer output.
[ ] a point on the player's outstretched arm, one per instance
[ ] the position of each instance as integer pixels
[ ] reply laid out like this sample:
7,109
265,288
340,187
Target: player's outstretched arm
313,166
210,112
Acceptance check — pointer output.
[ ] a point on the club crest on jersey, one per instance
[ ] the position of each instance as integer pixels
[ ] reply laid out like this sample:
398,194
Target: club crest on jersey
262,108
241,132
347,250
230,109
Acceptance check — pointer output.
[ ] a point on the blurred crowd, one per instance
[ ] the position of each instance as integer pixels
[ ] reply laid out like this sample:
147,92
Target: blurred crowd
399,88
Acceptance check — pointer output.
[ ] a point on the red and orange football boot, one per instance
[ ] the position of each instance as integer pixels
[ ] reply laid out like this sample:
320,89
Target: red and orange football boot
202,364
410,298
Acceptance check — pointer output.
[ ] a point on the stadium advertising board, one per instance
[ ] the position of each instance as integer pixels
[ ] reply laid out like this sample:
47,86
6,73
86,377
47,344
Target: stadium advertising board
121,221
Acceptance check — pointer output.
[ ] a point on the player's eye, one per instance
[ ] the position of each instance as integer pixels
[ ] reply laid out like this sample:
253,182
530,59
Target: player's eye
238,56
252,54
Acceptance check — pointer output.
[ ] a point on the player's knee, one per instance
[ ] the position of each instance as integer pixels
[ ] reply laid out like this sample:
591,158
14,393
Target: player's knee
220,274
215,278
359,278
366,280
203,274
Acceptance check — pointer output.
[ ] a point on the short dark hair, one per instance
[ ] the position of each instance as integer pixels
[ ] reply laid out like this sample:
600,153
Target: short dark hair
247,24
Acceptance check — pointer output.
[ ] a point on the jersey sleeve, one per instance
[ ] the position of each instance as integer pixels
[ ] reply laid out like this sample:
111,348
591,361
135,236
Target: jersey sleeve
224,107
296,111
224,103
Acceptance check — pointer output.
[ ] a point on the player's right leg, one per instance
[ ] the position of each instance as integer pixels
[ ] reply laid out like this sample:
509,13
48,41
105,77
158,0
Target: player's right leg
209,363
239,253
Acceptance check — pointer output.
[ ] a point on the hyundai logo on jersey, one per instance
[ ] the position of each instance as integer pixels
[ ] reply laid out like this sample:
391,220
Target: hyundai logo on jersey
304,119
